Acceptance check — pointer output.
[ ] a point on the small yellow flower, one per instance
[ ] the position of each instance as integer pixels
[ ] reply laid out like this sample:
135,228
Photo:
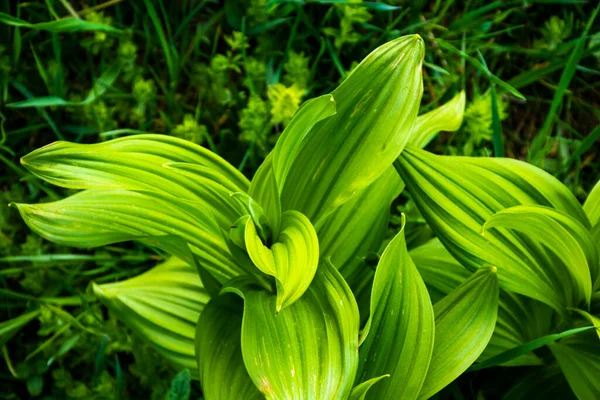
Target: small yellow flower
285,101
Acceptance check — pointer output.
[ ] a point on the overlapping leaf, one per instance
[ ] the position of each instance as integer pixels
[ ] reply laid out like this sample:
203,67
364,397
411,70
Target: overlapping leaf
520,319
292,260
456,208
400,332
579,359
99,217
571,243
163,306
376,107
222,373
464,323
309,350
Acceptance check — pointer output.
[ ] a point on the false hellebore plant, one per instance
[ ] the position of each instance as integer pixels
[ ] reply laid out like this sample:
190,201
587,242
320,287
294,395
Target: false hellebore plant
268,288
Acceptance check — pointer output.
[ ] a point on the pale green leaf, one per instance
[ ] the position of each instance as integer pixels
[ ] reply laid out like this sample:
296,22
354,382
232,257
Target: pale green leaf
566,238
223,375
376,106
358,228
520,318
464,324
98,217
360,391
290,143
400,332
83,166
161,305
447,117
579,359
292,260
263,189
309,350
456,208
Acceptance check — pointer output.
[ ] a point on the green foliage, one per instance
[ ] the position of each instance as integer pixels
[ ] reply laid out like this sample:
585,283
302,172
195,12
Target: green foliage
330,274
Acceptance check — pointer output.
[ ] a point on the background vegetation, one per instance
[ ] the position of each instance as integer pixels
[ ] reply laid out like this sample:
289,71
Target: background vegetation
230,75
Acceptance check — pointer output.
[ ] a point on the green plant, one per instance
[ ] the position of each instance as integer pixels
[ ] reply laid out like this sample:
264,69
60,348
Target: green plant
283,287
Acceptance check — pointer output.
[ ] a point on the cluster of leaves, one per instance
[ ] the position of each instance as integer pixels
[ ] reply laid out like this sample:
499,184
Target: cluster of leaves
230,77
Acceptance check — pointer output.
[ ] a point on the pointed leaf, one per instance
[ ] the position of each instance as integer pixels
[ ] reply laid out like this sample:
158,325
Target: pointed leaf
570,242
592,205
11,326
401,327
223,375
376,107
264,190
541,383
289,144
99,217
161,305
464,323
292,260
456,208
447,117
358,228
520,319
360,391
309,350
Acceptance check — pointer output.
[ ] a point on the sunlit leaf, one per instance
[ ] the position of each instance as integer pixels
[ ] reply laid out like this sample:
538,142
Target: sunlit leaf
163,306
221,368
568,240
400,332
309,350
292,260
376,107
447,117
456,208
98,217
360,391
464,323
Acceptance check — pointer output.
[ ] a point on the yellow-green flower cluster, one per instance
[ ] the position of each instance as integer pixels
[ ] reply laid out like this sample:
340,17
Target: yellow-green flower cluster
285,101
190,130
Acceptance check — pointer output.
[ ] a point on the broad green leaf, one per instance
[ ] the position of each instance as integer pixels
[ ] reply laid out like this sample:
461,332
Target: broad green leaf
360,391
541,383
222,373
579,359
376,107
356,229
116,165
309,350
98,217
464,324
292,260
520,319
11,326
456,208
290,142
576,255
440,271
163,306
101,85
447,117
57,162
65,25
400,332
